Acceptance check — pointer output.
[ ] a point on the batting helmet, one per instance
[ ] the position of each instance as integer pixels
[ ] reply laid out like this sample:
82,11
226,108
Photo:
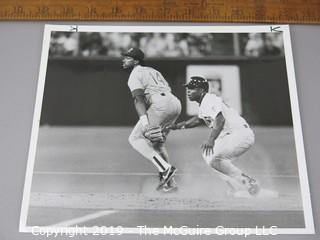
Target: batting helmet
197,82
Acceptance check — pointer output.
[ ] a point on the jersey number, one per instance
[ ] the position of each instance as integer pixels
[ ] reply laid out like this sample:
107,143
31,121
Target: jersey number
158,79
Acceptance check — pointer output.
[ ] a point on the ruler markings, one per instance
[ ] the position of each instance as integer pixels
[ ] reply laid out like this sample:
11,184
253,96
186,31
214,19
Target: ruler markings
284,11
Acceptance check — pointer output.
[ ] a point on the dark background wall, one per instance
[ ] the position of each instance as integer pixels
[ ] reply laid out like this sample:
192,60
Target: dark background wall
95,92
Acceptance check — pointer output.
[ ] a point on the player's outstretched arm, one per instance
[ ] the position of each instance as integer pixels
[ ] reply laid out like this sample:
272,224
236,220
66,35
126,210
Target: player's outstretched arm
191,123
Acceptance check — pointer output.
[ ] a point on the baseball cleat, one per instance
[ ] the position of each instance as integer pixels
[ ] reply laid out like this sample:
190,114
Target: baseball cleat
167,176
172,182
252,185
168,189
171,186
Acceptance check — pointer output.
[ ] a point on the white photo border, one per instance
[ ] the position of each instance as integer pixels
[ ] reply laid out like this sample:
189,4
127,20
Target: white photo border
298,136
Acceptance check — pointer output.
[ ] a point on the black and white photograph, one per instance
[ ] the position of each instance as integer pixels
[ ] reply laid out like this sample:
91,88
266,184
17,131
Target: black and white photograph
167,128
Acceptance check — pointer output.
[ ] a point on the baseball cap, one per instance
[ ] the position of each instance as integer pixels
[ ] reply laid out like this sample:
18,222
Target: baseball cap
135,53
197,82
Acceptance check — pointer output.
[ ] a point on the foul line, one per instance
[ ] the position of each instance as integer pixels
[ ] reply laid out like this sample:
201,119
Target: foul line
82,219
137,174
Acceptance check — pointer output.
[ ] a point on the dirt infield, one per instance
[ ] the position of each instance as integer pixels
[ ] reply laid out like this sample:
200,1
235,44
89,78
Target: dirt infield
95,168
160,201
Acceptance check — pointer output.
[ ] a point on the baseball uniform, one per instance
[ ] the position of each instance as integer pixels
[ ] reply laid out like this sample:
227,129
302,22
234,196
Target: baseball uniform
230,136
236,136
163,108
235,139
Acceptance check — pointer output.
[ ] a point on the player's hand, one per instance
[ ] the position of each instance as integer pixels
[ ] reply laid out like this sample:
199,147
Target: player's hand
207,147
155,134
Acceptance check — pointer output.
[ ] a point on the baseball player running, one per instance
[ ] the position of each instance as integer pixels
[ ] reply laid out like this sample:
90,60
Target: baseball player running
157,108
229,138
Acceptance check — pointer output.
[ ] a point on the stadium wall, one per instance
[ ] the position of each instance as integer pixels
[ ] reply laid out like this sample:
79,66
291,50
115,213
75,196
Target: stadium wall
95,92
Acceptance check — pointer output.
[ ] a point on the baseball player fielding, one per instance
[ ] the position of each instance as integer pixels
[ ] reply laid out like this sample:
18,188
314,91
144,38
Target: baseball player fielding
157,108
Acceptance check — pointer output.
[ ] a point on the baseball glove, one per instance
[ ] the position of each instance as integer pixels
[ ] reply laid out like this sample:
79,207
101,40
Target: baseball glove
154,134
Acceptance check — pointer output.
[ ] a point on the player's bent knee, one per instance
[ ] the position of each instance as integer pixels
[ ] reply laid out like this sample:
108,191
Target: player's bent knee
133,143
215,163
132,138
212,161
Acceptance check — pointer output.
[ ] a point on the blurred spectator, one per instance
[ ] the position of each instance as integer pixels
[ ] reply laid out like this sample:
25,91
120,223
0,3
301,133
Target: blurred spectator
270,47
193,45
173,48
181,39
273,44
207,43
194,42
135,38
119,42
55,47
255,45
144,40
154,45
64,44
91,45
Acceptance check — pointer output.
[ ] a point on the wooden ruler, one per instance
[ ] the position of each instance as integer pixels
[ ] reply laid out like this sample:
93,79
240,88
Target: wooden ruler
255,11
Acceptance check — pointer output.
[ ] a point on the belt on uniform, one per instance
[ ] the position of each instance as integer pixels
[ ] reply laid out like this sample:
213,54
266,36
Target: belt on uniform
243,125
